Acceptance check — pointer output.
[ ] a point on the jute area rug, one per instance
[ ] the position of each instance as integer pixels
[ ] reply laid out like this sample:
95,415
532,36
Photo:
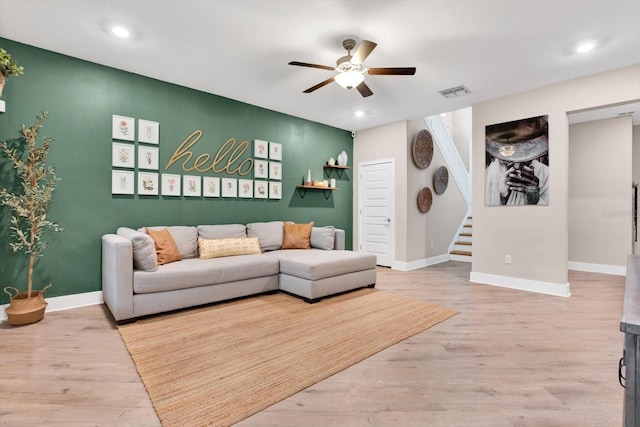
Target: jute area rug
221,363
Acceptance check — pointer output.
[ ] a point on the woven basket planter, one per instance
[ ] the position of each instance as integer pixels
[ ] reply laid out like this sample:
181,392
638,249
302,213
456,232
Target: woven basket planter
24,310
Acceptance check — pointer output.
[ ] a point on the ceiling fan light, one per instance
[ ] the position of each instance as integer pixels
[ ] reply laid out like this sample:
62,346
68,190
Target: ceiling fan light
349,79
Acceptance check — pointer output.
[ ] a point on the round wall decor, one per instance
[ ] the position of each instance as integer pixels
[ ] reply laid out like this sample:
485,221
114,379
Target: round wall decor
424,200
423,149
441,179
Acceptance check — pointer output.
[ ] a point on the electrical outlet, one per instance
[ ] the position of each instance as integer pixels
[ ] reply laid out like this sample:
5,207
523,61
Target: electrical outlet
507,259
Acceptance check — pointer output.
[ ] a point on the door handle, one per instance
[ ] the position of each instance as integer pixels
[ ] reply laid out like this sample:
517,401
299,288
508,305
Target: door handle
388,220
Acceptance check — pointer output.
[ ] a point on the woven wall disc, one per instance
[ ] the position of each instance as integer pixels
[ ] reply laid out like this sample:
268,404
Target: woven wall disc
424,200
423,149
441,179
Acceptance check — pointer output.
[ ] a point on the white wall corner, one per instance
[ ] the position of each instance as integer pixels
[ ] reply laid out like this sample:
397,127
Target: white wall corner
548,288
65,302
425,262
618,270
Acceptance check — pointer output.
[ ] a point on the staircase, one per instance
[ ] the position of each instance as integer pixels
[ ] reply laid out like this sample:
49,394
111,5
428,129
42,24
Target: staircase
462,247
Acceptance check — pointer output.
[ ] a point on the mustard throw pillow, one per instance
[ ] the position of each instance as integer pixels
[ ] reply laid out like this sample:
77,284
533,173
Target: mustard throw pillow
166,247
297,236
216,248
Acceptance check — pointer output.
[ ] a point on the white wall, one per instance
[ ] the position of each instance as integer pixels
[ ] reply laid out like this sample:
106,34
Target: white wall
599,193
636,171
415,231
536,236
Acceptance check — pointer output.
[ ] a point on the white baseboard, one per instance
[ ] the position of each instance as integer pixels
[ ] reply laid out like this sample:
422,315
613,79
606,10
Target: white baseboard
618,270
547,288
65,302
425,262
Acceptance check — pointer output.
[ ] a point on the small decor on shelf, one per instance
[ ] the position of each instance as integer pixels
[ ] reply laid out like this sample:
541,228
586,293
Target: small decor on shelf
331,162
29,203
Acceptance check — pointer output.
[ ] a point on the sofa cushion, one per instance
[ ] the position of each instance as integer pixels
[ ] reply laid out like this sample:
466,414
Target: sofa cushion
144,249
216,248
194,272
268,233
222,231
166,248
186,238
316,264
296,236
323,237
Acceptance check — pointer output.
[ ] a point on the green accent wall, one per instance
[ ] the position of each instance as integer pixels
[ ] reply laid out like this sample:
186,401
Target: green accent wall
81,98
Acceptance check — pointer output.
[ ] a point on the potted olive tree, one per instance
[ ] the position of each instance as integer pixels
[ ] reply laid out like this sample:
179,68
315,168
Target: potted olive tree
29,204
8,67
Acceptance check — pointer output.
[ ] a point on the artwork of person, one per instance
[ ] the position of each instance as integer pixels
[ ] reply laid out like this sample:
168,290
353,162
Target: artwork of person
517,163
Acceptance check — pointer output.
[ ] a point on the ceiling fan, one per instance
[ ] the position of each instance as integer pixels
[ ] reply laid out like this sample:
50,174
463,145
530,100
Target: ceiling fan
350,70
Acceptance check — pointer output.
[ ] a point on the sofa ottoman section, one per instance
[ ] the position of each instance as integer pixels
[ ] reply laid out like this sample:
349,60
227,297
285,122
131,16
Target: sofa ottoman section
314,273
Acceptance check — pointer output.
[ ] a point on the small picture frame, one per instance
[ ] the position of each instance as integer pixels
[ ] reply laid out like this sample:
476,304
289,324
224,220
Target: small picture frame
275,170
275,151
123,128
147,184
210,186
191,186
122,182
123,155
148,132
260,149
261,169
275,190
229,187
148,157
245,188
170,185
261,189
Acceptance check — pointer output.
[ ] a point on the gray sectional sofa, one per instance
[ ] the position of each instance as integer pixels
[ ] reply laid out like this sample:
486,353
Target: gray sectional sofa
134,285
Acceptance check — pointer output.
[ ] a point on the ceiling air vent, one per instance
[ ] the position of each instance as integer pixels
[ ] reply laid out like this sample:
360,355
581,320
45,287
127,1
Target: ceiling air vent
455,92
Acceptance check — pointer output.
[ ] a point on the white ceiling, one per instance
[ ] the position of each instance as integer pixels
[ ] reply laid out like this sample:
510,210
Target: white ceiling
240,48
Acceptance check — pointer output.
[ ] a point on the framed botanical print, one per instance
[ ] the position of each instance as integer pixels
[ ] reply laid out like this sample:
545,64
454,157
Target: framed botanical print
229,187
275,151
275,170
122,182
191,185
261,189
148,157
122,155
245,188
275,190
147,184
260,149
170,185
123,128
261,169
148,132
210,186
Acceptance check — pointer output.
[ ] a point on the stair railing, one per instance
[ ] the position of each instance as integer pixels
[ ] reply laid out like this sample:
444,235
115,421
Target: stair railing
442,137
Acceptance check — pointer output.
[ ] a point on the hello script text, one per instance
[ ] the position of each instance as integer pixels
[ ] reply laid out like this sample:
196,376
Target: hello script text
227,159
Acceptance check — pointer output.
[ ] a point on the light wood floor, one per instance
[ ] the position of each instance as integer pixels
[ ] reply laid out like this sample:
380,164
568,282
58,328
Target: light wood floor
510,358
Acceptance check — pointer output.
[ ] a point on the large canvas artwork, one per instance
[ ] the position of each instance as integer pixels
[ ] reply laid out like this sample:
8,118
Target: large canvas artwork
517,163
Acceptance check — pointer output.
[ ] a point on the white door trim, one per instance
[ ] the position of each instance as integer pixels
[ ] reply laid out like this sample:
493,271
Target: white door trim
392,208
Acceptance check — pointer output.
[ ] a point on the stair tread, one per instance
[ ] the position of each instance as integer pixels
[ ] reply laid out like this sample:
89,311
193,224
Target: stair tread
468,225
456,252
462,242
465,234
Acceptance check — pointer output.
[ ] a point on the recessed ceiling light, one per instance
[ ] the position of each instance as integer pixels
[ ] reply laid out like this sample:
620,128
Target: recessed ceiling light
121,32
585,47
359,113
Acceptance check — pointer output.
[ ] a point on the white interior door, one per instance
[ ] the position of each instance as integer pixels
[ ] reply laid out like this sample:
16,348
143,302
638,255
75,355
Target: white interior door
375,210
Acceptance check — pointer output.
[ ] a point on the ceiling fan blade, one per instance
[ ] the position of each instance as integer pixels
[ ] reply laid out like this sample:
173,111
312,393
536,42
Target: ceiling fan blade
399,71
364,90
319,85
365,48
304,64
